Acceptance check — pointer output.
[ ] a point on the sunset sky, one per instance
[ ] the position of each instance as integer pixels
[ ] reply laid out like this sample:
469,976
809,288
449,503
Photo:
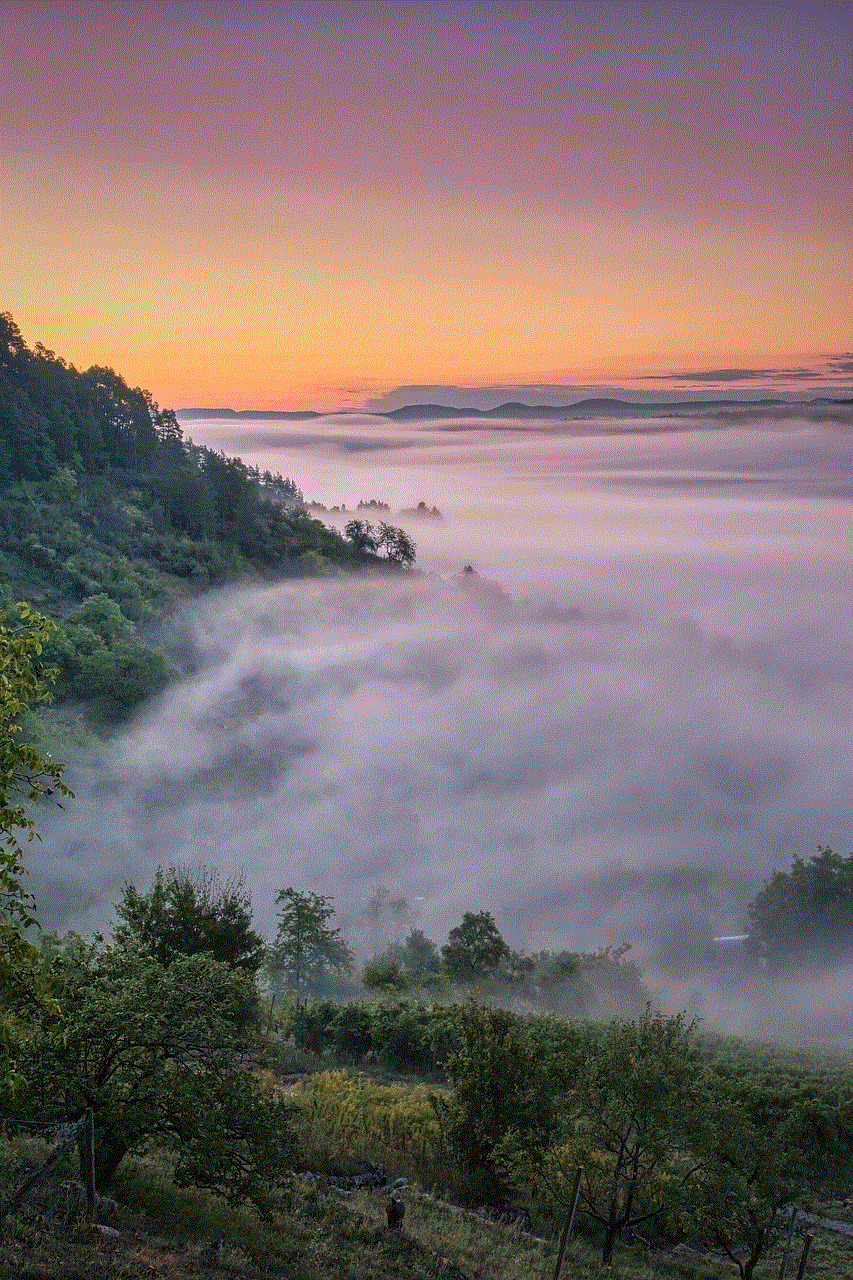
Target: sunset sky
309,204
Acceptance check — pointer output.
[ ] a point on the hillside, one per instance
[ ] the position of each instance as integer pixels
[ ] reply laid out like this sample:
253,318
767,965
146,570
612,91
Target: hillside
109,515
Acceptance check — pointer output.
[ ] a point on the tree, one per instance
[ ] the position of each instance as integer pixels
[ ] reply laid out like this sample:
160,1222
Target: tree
419,954
628,1117
362,535
601,984
306,947
504,1081
399,547
474,949
185,913
764,1146
159,1051
384,973
26,776
805,915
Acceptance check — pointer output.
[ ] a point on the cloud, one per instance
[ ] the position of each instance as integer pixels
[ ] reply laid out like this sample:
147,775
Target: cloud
473,753
824,371
741,375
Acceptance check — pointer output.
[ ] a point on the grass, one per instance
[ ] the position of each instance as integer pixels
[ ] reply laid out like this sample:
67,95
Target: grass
323,1234
317,1233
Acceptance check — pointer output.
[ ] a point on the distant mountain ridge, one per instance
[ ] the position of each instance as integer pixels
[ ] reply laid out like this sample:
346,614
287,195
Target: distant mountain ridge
590,408
287,415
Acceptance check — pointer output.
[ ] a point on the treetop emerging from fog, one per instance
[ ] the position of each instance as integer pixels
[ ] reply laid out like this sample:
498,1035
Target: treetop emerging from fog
805,916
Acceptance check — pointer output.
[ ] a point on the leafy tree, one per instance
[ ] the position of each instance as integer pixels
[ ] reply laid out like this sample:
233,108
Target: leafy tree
419,954
627,1124
158,1051
103,616
805,915
26,776
399,547
185,913
501,1113
362,535
306,947
474,949
764,1145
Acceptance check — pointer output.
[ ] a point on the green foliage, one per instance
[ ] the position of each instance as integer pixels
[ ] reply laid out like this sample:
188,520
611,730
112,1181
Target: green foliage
306,946
628,1124
384,973
500,1114
414,964
805,915
404,1036
26,776
474,949
156,1050
764,1146
419,954
185,913
600,984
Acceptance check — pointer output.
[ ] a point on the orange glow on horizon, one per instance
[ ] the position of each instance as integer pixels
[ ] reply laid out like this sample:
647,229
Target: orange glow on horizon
303,224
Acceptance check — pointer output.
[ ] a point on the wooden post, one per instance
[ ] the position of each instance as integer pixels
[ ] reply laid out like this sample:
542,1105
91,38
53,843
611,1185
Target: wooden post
89,1165
272,1006
570,1222
807,1244
784,1263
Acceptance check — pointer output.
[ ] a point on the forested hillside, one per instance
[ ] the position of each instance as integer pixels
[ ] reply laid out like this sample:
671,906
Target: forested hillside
108,515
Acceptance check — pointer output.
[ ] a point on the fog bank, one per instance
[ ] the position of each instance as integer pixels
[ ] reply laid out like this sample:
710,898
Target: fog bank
647,709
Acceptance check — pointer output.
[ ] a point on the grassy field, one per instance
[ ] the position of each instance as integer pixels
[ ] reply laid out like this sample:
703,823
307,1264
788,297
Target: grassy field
318,1232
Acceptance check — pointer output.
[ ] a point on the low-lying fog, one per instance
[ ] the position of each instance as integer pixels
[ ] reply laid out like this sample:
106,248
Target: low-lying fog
651,709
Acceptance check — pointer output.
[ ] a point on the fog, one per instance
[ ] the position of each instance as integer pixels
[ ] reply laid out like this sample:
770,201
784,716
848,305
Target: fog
639,705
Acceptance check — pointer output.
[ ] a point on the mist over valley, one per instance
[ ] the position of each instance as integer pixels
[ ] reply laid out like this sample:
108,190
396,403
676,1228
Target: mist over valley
638,705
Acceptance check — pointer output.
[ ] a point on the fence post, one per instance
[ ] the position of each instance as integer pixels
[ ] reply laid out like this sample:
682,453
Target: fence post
89,1164
570,1222
807,1244
272,1006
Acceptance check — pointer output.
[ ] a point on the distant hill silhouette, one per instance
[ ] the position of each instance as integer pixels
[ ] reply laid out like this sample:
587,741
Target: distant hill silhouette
596,407
281,414
592,408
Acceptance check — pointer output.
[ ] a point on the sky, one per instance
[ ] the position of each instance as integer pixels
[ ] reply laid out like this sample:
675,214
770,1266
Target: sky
313,205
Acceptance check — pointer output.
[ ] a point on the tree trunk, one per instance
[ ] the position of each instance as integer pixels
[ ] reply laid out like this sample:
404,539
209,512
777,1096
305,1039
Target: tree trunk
610,1233
109,1153
751,1262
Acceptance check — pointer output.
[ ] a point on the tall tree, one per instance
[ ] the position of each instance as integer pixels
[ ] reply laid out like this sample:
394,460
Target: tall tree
306,946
